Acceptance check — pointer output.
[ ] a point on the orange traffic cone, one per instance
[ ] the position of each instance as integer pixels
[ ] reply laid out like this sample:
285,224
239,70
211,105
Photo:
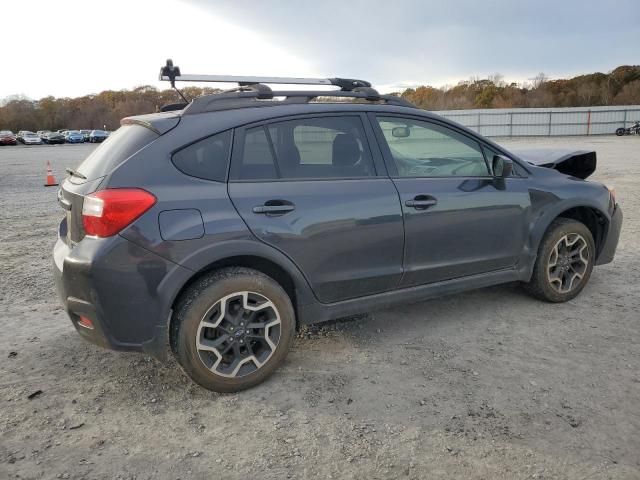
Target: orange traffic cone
51,180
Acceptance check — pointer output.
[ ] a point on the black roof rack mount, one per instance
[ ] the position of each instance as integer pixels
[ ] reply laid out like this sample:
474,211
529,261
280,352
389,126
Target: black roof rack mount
255,88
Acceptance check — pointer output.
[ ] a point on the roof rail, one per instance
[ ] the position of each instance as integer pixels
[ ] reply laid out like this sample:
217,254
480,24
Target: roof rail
172,74
251,98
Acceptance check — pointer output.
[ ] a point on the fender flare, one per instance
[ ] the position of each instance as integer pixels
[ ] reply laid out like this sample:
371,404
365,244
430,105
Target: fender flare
201,259
540,225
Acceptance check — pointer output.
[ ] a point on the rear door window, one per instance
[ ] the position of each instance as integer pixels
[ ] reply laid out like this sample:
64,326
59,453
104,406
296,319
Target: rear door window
118,146
306,148
257,161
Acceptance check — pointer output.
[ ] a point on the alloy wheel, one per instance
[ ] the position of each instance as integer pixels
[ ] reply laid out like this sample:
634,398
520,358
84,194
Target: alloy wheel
568,262
238,334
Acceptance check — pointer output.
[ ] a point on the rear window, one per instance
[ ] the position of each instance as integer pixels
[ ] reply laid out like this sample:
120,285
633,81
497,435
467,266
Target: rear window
119,146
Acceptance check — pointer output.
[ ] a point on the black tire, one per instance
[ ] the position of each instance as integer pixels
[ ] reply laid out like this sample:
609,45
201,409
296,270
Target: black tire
228,373
549,279
620,131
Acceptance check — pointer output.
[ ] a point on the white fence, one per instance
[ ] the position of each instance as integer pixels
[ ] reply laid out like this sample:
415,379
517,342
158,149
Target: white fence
522,122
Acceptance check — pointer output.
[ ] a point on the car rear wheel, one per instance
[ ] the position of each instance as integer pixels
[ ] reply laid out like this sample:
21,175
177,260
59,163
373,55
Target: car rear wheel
232,329
564,263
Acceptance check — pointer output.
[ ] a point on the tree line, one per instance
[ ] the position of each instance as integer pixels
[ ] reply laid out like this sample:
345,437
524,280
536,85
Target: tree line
621,86
103,110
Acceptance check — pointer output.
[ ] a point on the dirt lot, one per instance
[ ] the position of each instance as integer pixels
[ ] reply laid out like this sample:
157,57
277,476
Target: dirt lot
489,384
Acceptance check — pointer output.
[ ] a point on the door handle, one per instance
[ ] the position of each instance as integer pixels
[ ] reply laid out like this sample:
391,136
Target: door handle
274,207
421,202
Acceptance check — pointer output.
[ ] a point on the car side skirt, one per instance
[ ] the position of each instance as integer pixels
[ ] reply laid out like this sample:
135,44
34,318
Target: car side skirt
318,312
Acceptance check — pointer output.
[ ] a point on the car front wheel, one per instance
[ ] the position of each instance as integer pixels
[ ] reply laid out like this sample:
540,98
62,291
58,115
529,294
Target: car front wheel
564,263
232,329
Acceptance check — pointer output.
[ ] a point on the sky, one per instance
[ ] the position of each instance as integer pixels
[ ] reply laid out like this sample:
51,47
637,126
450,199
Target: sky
73,47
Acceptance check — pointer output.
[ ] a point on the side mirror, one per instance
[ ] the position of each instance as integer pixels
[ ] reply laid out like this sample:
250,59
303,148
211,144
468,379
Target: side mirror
502,166
400,132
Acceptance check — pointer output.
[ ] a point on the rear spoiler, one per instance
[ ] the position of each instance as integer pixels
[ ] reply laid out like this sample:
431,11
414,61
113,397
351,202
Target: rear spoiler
159,123
577,163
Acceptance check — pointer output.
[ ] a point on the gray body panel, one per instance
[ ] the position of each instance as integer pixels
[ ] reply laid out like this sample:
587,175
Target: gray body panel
349,245
345,235
478,225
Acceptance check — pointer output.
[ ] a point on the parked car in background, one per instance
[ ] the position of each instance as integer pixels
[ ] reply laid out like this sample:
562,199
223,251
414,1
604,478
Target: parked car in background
42,133
53,138
7,138
30,138
85,134
21,135
98,136
73,136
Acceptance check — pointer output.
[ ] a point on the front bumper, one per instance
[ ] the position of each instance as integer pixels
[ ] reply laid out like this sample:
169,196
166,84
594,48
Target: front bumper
121,288
608,250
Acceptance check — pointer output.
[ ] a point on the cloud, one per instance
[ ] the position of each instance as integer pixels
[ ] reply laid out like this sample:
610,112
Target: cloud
412,41
68,52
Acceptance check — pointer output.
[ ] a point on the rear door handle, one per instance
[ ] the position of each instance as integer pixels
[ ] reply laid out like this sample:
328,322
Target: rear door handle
275,207
421,202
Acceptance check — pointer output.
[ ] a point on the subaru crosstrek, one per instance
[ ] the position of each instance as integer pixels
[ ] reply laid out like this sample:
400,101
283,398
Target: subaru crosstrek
213,230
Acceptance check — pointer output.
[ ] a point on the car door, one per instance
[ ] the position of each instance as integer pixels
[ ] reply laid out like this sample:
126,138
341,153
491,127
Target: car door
313,188
459,220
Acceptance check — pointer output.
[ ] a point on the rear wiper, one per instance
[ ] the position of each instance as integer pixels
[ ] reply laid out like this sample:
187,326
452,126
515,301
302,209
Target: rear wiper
75,173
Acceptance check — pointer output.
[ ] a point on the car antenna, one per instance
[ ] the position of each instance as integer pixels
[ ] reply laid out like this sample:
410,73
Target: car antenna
172,72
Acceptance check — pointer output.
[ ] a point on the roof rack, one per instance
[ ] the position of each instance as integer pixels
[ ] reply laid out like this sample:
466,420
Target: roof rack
171,73
250,89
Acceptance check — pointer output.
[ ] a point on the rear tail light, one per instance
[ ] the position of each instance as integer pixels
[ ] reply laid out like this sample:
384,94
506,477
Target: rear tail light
107,212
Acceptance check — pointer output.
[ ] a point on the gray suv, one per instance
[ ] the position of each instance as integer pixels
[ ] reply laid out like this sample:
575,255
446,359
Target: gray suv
216,228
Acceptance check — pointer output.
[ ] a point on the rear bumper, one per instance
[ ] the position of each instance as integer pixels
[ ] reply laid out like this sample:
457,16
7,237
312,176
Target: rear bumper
121,288
613,235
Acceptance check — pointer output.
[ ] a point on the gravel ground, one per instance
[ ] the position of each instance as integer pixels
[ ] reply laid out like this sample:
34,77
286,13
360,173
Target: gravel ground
490,384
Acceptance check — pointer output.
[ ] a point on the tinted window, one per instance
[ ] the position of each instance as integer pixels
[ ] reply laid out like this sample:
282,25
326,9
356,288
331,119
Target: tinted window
256,161
326,147
422,149
119,146
205,159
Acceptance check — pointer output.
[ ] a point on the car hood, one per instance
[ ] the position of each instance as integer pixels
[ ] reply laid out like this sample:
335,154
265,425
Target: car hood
577,163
